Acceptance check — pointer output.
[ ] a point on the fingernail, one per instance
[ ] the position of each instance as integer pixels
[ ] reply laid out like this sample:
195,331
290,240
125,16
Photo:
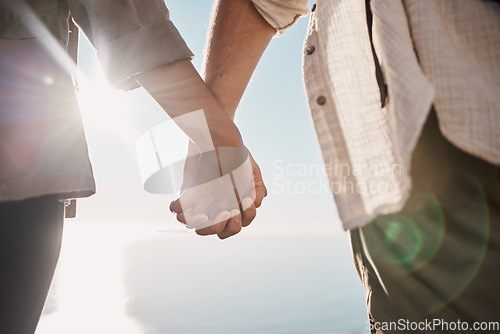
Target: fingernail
247,202
222,217
170,207
200,218
225,215
196,220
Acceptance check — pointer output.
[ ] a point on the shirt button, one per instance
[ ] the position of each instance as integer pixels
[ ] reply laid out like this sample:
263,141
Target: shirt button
313,8
310,49
321,100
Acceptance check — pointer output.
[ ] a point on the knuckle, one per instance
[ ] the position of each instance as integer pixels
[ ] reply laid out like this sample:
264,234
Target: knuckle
236,229
248,220
212,229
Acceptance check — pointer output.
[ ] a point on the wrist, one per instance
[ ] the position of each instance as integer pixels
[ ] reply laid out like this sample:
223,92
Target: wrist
224,132
181,92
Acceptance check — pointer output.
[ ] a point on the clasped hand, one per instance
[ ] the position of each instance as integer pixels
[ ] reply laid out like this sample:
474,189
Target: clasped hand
221,191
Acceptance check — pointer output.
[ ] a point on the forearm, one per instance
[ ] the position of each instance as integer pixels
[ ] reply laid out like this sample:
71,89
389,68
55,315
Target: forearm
237,39
179,90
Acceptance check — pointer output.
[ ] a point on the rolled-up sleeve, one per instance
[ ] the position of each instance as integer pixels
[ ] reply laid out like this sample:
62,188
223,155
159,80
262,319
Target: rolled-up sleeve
281,14
130,36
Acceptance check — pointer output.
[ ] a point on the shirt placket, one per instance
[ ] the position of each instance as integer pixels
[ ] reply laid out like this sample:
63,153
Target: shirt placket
316,84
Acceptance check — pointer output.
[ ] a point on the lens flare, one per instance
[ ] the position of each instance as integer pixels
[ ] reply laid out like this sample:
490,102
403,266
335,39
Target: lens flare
434,247
471,249
48,80
408,240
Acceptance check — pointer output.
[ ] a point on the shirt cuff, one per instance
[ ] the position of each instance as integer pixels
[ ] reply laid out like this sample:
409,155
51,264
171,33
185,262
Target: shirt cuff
281,14
140,51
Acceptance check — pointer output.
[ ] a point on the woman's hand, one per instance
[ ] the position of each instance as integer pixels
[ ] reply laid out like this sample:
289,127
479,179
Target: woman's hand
221,191
225,186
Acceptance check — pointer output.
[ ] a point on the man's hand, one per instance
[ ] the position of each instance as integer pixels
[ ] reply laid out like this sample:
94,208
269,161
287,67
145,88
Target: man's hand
215,204
238,36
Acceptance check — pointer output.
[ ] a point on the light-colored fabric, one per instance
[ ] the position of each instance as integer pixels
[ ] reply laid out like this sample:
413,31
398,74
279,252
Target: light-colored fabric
438,257
460,54
42,142
367,149
281,14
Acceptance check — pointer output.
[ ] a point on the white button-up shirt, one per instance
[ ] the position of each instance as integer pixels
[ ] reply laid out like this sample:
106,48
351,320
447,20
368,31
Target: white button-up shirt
444,53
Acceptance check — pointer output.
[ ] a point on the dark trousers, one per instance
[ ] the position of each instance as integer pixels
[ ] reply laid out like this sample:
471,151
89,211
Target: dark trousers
30,242
439,257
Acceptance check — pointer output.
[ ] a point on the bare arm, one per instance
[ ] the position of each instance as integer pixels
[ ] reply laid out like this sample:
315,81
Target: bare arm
179,90
219,180
237,39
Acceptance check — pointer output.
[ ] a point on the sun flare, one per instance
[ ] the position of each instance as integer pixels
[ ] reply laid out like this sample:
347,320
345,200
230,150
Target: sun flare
105,109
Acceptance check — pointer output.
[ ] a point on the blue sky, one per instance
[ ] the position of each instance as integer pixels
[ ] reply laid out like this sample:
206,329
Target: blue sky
273,117
127,266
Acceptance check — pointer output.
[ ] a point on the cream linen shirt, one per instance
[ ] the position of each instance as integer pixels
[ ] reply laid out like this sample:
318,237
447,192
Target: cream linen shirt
444,53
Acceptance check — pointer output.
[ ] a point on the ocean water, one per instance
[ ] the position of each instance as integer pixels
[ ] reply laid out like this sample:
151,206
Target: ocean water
151,278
